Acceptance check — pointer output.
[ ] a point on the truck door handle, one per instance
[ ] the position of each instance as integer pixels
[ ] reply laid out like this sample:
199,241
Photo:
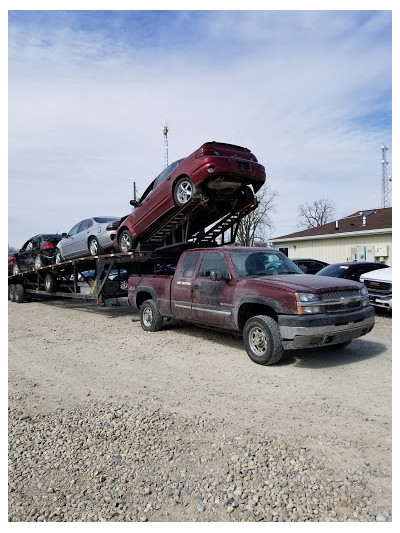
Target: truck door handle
196,287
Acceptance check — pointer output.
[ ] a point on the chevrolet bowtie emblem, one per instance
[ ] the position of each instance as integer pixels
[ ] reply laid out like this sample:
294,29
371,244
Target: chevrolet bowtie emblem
344,301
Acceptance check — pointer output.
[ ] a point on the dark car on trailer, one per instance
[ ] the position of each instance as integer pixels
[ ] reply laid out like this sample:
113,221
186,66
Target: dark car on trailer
37,252
350,270
310,266
226,176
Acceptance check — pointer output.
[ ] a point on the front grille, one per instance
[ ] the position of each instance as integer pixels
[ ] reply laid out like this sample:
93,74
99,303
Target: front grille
378,287
339,294
342,308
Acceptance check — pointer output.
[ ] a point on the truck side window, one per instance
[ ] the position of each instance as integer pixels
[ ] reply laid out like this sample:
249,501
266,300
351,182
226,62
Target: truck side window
188,265
213,261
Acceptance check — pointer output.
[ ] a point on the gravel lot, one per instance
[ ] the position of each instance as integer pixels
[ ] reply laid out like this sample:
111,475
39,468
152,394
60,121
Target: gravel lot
111,423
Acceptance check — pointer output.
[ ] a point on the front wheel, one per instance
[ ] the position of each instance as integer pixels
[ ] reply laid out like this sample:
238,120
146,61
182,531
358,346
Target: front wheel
94,246
184,191
38,262
59,257
150,318
125,241
262,340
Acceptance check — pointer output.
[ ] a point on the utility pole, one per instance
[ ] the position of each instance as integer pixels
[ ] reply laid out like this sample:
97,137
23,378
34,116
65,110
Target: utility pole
385,181
134,190
165,132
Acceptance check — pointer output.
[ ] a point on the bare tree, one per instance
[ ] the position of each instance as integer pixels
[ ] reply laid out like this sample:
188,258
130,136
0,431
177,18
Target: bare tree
254,227
318,213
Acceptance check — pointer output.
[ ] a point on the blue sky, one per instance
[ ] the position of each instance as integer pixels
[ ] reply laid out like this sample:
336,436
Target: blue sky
309,92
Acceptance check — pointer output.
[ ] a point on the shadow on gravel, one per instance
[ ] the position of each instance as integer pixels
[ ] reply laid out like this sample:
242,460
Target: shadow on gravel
90,306
358,350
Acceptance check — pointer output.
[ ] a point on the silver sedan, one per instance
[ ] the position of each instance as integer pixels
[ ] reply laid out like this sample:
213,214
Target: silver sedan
92,236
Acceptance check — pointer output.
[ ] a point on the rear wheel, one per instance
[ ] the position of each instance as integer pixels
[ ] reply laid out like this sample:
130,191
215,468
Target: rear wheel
11,292
19,293
262,340
50,282
150,318
94,246
184,191
125,241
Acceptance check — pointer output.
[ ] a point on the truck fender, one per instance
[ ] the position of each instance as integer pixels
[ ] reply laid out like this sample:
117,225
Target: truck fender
140,294
258,300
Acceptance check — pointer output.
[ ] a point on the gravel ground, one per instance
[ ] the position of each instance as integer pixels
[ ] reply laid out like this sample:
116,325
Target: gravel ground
110,423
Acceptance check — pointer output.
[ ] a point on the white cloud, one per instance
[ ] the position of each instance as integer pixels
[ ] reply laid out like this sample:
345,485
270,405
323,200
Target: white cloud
86,109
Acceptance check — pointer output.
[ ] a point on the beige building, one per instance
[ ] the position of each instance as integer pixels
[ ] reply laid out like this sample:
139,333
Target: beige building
362,236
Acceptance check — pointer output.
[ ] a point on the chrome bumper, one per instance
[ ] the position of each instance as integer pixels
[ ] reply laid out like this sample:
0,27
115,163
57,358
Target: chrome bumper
297,337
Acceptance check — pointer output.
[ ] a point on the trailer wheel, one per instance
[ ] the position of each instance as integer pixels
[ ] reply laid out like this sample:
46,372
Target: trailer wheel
50,282
19,293
150,318
94,246
262,340
11,292
183,192
125,241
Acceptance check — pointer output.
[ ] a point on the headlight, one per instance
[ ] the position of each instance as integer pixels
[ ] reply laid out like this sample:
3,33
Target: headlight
310,309
306,297
364,291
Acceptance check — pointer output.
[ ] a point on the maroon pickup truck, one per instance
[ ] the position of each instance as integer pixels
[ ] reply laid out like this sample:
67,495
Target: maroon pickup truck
259,293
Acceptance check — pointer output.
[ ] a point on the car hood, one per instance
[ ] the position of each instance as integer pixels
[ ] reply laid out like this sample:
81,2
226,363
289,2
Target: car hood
382,274
309,283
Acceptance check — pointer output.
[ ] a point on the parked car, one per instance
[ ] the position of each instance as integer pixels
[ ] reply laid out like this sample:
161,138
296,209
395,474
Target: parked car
11,261
349,270
90,275
37,252
309,266
222,173
379,286
92,236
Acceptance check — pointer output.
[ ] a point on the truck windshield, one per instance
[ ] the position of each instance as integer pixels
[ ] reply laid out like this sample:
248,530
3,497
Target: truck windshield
251,263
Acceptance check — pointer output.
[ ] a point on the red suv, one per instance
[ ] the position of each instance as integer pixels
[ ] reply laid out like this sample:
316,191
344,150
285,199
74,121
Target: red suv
221,174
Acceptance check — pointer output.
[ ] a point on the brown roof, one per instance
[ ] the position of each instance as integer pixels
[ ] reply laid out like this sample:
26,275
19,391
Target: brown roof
375,219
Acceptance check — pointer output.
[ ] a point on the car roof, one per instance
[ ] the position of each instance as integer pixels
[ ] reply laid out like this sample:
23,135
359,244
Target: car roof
354,263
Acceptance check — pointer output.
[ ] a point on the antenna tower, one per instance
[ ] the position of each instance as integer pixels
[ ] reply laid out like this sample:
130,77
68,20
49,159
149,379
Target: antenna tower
165,132
385,181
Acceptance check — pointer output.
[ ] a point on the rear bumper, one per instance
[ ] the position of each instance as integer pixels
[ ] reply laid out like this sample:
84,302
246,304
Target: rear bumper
321,330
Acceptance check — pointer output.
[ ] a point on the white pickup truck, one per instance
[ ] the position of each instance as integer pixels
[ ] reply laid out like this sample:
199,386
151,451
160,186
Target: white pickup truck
379,285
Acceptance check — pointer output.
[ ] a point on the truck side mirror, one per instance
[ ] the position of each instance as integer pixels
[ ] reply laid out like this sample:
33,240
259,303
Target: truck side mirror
219,275
135,203
63,235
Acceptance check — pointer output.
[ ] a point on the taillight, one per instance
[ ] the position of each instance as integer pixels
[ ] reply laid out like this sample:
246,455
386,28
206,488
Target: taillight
206,151
113,225
11,259
48,246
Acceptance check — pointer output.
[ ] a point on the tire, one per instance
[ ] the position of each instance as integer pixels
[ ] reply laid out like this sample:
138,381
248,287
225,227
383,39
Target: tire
19,293
16,270
262,340
247,195
11,292
38,262
150,318
183,192
50,282
94,246
125,241
59,257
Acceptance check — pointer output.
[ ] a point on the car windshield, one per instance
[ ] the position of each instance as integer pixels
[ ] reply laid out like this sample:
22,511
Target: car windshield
99,220
334,271
262,263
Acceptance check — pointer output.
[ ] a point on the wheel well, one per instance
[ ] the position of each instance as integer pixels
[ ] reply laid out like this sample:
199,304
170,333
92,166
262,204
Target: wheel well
249,310
177,179
121,229
142,297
